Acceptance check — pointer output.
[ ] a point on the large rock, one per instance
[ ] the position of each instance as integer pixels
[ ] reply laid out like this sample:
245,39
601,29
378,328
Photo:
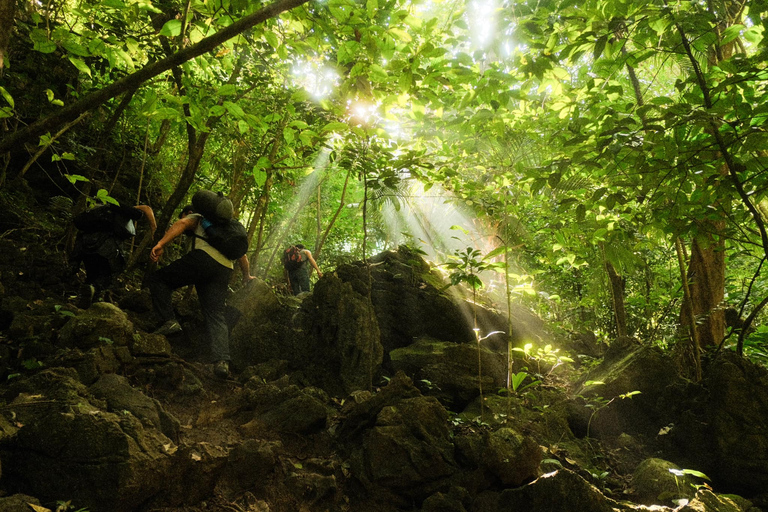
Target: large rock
284,408
121,396
655,484
449,371
343,352
721,428
68,447
101,323
560,491
263,330
503,457
403,451
18,503
618,407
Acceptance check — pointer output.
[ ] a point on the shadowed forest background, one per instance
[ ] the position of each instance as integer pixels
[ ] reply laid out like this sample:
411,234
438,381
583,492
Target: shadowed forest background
600,165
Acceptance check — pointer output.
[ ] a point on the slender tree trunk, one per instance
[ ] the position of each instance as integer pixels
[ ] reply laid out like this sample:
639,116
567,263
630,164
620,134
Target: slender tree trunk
617,296
318,219
7,22
321,241
688,306
239,187
260,215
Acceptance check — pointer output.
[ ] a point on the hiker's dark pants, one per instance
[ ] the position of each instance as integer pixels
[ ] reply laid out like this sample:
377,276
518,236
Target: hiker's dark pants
98,272
299,279
211,279
102,257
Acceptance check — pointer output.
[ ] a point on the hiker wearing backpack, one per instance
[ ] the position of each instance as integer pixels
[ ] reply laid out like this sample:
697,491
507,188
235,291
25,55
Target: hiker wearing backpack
295,259
99,245
209,267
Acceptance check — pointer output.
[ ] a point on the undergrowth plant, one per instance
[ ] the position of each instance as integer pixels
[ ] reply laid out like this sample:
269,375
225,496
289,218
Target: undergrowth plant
466,266
598,403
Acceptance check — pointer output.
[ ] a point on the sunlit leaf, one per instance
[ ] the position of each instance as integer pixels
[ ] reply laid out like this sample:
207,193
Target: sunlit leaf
80,65
171,28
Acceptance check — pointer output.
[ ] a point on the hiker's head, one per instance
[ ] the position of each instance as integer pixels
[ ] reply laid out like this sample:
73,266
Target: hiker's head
186,211
300,246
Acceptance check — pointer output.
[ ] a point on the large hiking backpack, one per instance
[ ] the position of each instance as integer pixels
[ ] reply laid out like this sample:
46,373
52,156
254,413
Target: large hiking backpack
105,219
213,206
292,258
228,237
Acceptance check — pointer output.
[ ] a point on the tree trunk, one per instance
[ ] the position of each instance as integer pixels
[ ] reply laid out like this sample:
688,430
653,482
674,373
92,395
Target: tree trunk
706,276
691,350
617,296
7,22
321,241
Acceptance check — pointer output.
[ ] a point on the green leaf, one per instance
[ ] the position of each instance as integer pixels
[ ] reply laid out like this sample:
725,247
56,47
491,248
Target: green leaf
125,57
372,6
172,28
335,127
377,73
227,90
75,48
7,96
400,34
731,33
271,38
234,109
695,473
74,178
45,46
80,65
599,47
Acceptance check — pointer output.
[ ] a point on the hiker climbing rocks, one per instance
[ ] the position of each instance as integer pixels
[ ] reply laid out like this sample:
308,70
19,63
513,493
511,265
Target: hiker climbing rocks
295,259
208,266
99,245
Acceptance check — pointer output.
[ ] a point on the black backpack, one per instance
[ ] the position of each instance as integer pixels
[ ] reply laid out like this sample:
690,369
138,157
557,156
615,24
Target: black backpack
292,258
105,219
228,237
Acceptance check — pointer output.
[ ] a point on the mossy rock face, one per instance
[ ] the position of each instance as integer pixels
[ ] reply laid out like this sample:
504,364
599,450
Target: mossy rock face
408,299
70,445
707,501
18,503
559,491
101,323
616,383
449,371
407,451
658,482
721,428
262,331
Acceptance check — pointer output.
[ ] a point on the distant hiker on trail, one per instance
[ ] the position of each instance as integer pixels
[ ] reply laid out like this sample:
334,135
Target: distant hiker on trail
101,234
295,260
219,241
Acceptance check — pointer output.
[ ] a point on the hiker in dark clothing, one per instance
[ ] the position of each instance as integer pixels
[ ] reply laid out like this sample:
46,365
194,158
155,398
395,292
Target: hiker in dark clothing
298,270
209,270
99,245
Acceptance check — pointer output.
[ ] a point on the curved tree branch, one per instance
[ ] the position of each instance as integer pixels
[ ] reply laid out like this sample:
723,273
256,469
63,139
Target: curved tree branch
96,98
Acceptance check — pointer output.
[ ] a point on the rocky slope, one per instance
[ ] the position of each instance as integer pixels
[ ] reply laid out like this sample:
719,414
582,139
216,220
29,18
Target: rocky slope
370,394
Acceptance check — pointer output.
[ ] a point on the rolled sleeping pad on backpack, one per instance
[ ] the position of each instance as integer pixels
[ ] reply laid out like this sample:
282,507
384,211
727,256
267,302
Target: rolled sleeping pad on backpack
212,205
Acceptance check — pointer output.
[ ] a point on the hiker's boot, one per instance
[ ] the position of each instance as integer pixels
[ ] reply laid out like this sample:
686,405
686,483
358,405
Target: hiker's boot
221,369
87,293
